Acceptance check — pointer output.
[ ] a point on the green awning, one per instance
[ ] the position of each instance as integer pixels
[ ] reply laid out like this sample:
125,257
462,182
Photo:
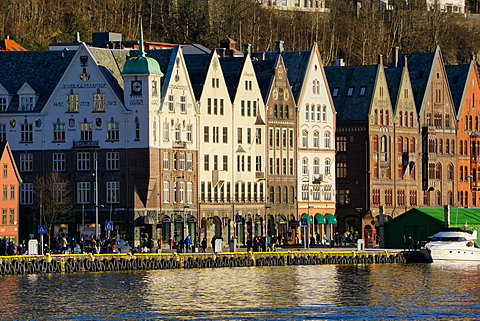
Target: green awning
320,219
331,219
308,217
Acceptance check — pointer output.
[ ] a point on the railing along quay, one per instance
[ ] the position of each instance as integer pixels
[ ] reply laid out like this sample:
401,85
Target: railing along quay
70,263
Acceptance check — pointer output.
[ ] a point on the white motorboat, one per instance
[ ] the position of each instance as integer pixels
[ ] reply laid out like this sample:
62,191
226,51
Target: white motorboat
452,244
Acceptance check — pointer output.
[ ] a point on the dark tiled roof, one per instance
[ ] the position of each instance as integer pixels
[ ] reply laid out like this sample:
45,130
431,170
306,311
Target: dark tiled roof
197,66
111,65
354,108
296,63
231,67
419,66
161,56
264,71
394,78
42,70
457,78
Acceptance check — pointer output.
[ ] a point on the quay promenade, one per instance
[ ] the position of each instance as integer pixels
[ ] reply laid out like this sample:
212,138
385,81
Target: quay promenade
71,263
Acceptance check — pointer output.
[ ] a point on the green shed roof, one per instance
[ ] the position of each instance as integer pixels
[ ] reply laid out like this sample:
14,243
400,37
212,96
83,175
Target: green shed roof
457,215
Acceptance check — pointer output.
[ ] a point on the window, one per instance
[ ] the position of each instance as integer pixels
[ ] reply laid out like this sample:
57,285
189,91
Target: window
83,161
319,113
183,104
258,136
341,170
376,197
343,196
171,104
59,162
26,103
307,112
113,161
98,101
26,193
166,131
189,133
86,131
221,106
12,216
3,103
26,162
350,92
413,198
182,161
166,161
324,113
316,166
83,192
59,131
4,216
72,102
304,138
362,91
189,192
113,131
113,192
206,165
59,190
327,140
166,192
3,132
26,132
305,166
5,170
316,139
239,135
388,197
335,92
177,132
5,192
137,129
341,143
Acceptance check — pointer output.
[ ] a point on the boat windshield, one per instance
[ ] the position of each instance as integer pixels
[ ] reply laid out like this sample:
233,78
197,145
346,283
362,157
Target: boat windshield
448,239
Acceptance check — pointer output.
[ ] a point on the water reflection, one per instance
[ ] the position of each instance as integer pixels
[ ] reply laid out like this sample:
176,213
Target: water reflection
272,293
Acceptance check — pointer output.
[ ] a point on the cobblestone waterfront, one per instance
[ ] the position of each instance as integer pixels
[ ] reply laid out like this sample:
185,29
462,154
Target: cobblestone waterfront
301,292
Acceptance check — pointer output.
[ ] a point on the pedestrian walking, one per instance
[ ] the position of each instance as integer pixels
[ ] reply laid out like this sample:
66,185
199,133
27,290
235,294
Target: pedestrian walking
187,242
214,239
204,245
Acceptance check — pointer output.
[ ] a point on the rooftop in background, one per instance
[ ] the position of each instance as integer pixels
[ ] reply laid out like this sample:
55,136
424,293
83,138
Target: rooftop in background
113,40
10,45
296,5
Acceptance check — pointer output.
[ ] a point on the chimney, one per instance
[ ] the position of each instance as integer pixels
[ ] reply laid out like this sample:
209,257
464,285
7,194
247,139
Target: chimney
279,46
394,57
380,60
227,43
247,48
446,216
338,62
221,52
472,56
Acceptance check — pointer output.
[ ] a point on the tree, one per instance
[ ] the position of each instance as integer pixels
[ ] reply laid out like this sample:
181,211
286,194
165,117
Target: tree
53,200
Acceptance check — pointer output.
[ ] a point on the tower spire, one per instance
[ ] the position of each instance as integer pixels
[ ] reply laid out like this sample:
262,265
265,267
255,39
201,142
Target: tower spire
141,48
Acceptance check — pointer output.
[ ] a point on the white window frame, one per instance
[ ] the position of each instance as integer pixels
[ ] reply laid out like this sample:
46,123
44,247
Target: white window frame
59,163
113,192
26,162
113,161
26,194
26,132
83,161
166,191
83,192
113,131
27,102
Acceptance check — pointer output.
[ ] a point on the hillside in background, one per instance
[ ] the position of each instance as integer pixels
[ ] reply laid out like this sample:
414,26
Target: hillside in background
356,34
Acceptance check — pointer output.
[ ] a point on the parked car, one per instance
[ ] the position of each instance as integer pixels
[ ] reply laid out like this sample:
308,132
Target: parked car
120,246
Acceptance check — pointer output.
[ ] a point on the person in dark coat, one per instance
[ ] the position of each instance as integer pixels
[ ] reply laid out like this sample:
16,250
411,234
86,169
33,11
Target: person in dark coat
180,246
204,245
214,238
249,244
73,244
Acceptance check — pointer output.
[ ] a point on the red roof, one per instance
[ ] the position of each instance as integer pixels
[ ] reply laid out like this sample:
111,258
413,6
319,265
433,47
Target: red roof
10,45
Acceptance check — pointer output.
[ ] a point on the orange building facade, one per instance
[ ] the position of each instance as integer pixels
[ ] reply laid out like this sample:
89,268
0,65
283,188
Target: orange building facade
9,198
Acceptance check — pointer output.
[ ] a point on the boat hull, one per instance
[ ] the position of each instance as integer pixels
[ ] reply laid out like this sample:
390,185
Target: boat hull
452,254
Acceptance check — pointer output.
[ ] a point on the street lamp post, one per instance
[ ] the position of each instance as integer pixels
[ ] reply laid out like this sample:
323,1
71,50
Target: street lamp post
97,232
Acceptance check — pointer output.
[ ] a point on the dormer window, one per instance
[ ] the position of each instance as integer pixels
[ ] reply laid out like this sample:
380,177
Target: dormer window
26,103
3,103
350,92
335,92
362,91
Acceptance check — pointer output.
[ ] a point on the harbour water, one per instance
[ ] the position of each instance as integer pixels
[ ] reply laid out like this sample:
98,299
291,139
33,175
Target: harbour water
319,292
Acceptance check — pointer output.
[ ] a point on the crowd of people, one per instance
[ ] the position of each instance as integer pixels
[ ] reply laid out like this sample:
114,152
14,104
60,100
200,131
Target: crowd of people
8,247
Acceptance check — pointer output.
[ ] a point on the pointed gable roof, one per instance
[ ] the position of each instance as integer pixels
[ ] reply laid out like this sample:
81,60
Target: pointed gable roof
457,76
197,66
232,68
5,149
41,69
419,67
394,81
353,108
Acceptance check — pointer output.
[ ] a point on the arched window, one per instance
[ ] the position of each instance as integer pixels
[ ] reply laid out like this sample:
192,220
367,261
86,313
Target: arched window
450,198
316,166
447,147
450,172
307,111
387,117
316,139
272,194
412,145
465,148
375,144
375,117
461,147
440,148
375,170
411,119
328,165
383,144
304,138
400,144
305,166
400,119
461,173
327,139
452,150
381,116
438,198
438,171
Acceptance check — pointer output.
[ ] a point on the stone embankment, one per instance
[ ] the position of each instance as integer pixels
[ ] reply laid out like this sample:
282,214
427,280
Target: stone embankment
38,264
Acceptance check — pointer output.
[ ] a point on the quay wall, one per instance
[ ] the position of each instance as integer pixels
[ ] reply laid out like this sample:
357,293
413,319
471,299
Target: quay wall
73,263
